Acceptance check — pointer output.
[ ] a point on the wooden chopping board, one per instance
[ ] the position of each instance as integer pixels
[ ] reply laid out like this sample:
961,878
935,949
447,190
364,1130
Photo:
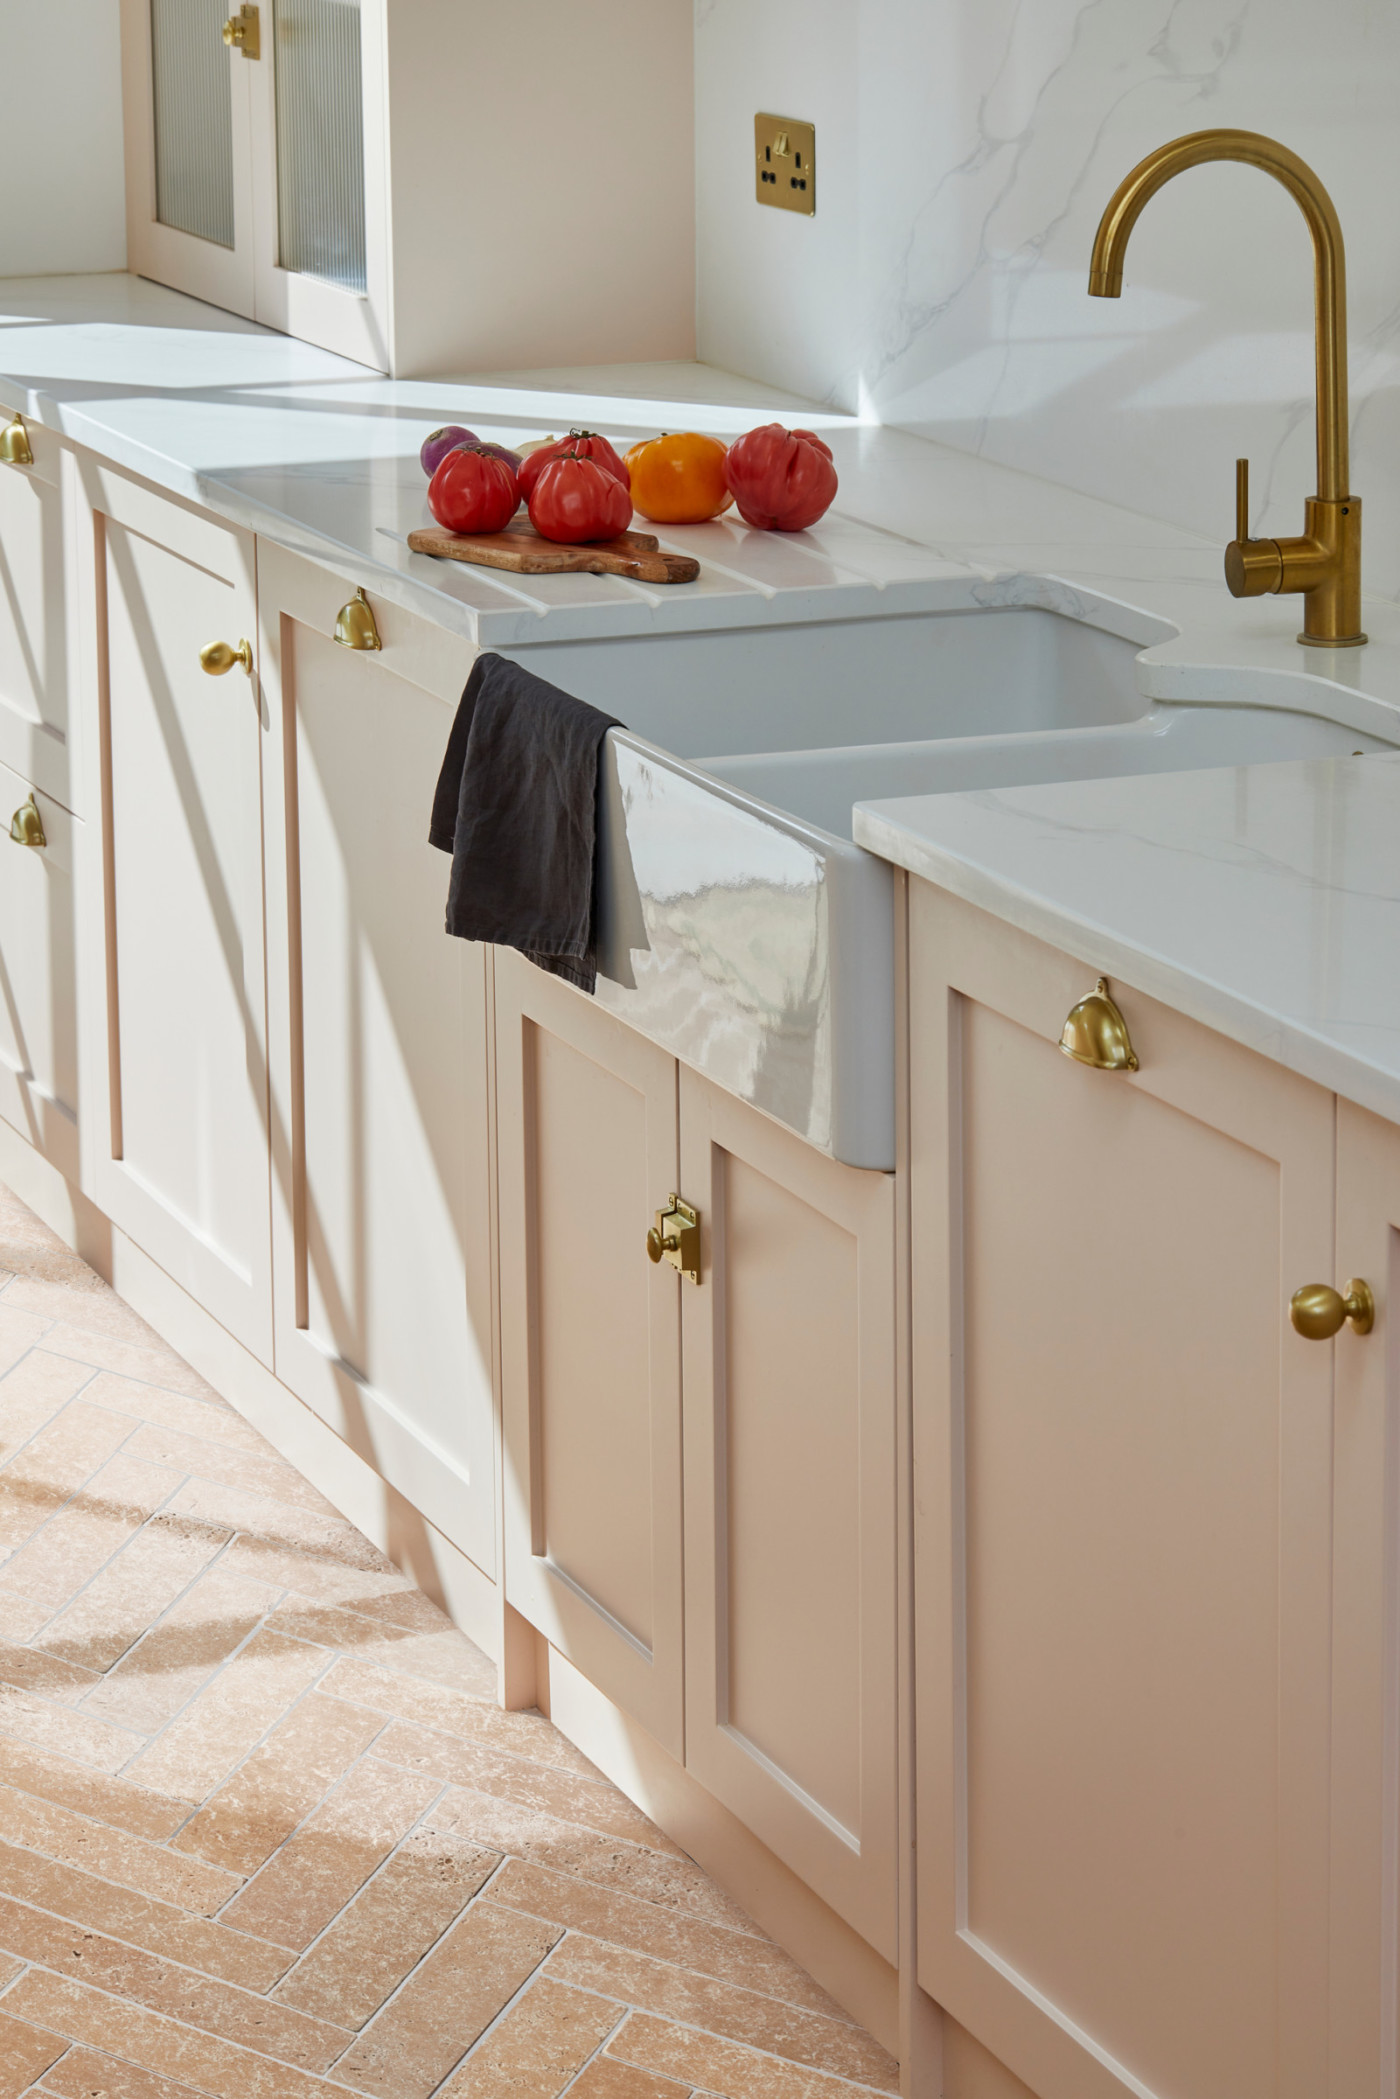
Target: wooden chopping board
520,549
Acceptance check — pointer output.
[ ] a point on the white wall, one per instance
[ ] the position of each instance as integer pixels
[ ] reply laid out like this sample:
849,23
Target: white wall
62,195
965,149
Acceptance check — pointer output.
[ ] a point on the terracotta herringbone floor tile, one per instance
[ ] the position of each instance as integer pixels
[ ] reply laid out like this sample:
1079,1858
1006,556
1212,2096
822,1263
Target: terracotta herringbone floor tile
448,2002
25,2053
607,2078
158,1927
266,1834
150,1869
542,2042
385,1932
310,1878
84,2074
261,1804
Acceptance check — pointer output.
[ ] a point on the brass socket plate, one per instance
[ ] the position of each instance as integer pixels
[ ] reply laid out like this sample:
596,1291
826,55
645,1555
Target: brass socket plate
785,163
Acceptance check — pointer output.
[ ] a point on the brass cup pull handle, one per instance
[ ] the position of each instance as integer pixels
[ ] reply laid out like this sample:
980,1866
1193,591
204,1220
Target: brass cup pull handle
27,826
1095,1033
217,657
15,448
354,624
1318,1311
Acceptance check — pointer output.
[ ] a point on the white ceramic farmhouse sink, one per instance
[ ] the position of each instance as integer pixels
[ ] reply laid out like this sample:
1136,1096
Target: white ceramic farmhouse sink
739,926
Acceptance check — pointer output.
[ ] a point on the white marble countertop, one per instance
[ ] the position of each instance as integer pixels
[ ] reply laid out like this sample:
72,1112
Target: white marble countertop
1263,900
322,455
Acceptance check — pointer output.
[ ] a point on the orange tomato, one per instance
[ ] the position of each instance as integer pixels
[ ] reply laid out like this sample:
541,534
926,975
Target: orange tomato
679,479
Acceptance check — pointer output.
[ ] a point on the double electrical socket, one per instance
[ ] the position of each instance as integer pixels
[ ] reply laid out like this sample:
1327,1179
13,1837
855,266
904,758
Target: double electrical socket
785,155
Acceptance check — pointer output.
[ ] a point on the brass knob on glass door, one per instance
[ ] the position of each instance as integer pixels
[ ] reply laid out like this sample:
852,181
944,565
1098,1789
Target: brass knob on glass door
217,657
1318,1311
241,33
27,826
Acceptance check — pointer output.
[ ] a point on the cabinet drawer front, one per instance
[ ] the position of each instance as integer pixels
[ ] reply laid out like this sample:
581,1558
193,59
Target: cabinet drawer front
34,674
1122,1458
38,1009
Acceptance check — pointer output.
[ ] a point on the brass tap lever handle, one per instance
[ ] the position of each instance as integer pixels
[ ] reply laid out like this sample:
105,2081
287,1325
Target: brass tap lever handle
1253,567
1318,1311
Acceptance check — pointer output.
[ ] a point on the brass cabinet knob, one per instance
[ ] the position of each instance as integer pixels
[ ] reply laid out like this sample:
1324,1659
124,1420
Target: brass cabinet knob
27,826
15,448
242,33
1096,1033
217,657
354,624
675,1237
1318,1311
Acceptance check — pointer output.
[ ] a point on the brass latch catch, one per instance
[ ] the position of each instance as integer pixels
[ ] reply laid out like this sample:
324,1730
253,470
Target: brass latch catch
675,1237
242,32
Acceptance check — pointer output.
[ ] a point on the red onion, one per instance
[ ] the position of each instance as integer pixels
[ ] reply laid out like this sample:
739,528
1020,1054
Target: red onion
436,447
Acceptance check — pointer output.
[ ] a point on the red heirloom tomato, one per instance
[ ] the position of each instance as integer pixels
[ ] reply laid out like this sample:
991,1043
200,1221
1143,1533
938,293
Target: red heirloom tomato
782,480
576,499
586,444
473,491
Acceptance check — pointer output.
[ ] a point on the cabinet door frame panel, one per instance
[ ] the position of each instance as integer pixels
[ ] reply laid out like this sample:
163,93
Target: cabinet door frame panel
225,552
293,593
49,1123
651,1688
352,324
222,276
959,954
41,749
853,1871
1365,1880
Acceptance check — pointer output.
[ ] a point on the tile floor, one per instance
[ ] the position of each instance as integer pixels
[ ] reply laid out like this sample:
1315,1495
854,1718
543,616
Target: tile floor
263,1832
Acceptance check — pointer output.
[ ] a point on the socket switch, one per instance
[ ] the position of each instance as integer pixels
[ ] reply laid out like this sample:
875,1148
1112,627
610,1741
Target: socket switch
785,153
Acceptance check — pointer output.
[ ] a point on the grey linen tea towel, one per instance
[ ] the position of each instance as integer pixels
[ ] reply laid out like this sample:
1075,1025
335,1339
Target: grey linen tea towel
517,807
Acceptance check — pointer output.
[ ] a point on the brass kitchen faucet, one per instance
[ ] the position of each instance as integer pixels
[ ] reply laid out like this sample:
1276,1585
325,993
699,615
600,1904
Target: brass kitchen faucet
1324,562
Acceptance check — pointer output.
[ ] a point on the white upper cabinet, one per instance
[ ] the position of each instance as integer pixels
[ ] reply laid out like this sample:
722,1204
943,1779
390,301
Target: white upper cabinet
247,164
419,187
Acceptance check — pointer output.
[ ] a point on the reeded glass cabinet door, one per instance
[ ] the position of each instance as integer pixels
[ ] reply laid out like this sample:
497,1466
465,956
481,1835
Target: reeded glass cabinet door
187,104
193,123
317,160
255,157
320,140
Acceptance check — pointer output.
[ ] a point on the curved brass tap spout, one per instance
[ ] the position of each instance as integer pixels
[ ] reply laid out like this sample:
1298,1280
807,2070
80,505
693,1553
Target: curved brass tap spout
1325,562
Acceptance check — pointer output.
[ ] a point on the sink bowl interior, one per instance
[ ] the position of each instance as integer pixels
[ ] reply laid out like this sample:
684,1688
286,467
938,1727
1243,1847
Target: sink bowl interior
901,679
822,786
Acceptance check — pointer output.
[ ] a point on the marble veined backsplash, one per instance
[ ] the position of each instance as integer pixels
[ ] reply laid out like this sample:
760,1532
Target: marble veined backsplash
965,149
